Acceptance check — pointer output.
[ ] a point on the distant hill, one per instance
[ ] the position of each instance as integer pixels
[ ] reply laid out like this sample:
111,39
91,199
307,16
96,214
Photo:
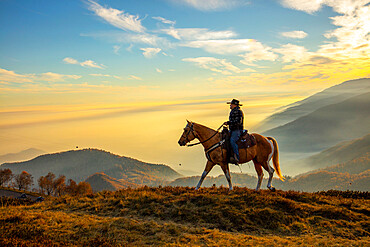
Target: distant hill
101,181
351,175
340,153
332,95
326,126
21,156
80,164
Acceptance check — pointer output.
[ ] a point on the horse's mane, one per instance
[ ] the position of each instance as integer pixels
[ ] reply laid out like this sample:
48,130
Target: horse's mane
200,125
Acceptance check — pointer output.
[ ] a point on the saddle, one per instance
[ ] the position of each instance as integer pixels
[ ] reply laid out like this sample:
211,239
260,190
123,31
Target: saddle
246,140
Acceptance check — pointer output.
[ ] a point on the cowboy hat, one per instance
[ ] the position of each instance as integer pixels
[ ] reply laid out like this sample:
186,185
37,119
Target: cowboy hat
234,102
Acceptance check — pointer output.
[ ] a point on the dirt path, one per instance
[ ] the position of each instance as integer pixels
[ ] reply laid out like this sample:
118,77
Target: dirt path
14,194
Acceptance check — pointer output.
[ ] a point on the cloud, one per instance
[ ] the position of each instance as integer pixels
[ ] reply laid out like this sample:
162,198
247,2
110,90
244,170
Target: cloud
91,64
292,53
294,34
150,52
133,77
212,5
87,63
70,60
158,70
224,46
116,49
10,77
163,20
198,33
303,5
54,77
117,18
130,38
349,39
216,65
105,75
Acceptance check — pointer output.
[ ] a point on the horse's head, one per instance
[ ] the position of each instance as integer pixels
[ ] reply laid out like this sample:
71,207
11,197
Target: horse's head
188,135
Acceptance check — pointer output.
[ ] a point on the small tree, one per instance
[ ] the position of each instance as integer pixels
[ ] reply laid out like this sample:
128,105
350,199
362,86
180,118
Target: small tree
83,188
6,176
42,184
59,185
23,181
49,183
71,187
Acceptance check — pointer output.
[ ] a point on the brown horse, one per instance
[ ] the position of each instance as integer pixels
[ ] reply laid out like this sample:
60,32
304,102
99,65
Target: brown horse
261,153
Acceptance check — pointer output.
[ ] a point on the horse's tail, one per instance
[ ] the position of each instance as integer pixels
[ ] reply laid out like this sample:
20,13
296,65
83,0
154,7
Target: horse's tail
275,158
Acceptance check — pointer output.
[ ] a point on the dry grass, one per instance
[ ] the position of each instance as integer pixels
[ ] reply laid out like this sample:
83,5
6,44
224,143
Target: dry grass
180,216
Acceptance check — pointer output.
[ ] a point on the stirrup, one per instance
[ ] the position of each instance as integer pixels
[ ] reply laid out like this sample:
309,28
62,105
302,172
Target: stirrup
234,161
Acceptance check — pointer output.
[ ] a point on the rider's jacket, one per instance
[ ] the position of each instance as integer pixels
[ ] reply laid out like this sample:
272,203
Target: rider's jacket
236,119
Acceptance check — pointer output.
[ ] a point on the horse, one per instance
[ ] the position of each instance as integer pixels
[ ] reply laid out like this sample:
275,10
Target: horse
261,153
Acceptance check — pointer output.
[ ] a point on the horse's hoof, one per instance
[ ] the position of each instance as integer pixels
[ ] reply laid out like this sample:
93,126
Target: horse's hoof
272,189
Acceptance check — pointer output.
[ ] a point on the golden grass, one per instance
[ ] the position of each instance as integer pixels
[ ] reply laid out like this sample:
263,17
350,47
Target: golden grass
180,216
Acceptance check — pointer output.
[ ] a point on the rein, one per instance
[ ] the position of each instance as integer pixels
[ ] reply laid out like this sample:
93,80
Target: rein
191,129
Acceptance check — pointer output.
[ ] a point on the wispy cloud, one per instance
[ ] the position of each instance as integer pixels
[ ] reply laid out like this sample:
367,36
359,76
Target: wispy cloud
216,65
198,33
133,77
10,77
130,38
294,34
212,5
150,52
105,75
87,63
158,70
117,18
163,20
116,49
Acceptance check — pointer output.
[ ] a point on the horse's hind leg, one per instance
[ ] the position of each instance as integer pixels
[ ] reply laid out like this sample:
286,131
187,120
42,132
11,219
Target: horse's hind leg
208,168
270,170
225,168
259,171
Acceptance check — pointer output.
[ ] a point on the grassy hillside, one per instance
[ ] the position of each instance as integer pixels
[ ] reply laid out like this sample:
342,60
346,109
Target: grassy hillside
79,165
326,126
180,216
101,181
332,95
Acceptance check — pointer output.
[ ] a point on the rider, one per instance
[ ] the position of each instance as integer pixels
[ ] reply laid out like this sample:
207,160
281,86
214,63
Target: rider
235,124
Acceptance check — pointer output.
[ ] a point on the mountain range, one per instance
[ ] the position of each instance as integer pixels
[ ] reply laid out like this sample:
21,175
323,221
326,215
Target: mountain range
21,156
325,126
329,96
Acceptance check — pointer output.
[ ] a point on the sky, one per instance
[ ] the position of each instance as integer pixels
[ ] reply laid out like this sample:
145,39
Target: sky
125,75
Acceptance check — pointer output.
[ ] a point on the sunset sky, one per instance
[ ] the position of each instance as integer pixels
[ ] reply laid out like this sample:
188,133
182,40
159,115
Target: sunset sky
124,75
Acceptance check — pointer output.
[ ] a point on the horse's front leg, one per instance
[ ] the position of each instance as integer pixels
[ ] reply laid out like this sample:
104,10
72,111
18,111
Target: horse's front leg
225,168
208,168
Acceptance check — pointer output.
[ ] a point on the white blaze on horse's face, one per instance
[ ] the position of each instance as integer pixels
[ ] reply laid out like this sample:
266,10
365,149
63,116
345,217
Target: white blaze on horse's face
187,135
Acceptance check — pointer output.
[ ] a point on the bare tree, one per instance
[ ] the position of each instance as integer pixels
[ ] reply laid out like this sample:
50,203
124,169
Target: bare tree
6,176
23,181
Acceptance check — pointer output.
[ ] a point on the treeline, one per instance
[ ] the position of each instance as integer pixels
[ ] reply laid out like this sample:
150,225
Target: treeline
48,184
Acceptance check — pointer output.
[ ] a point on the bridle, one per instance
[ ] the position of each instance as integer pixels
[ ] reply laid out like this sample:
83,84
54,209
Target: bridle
191,129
